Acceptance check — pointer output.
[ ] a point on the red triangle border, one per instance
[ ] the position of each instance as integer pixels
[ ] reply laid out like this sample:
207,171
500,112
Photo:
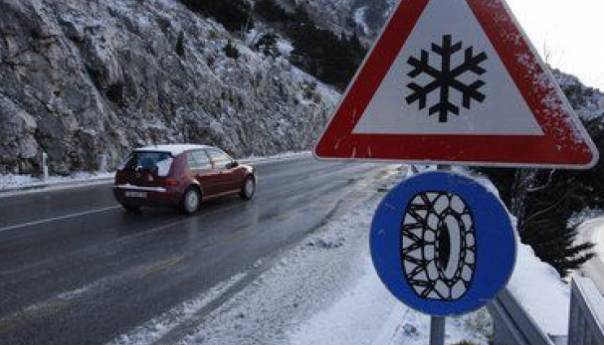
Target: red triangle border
564,145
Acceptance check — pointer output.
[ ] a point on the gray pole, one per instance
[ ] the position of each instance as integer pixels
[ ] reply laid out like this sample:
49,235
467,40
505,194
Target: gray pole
437,330
437,324
44,167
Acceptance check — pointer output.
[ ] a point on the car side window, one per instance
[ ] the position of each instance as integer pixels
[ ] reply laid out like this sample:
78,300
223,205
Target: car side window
198,160
219,158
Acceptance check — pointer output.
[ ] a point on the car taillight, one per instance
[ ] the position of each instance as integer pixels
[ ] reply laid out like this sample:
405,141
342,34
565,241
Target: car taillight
170,182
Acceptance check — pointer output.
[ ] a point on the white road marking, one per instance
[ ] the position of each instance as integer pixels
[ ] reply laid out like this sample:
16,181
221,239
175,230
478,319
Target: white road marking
154,329
54,219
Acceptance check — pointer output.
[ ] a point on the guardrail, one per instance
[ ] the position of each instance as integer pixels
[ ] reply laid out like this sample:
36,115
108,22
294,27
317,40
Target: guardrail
513,325
586,326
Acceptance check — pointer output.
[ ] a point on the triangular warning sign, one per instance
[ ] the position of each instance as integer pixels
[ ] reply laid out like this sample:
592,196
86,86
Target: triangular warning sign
456,81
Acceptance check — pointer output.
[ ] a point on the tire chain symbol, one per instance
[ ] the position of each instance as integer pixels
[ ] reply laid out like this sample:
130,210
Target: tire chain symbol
438,246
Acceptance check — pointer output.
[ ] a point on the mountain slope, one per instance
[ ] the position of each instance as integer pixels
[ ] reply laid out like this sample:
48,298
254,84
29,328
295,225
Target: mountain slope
90,79
366,17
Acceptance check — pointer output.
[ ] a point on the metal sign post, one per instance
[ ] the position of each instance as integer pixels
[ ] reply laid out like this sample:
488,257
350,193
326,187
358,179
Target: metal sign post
437,330
438,324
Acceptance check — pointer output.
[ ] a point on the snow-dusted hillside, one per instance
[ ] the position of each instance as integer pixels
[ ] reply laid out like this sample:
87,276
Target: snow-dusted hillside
366,17
587,101
86,79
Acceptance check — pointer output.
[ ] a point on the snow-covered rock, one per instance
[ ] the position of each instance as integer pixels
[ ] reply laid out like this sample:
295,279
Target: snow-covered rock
587,101
82,79
365,17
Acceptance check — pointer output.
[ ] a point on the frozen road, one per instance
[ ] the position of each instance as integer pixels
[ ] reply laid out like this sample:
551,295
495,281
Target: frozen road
76,269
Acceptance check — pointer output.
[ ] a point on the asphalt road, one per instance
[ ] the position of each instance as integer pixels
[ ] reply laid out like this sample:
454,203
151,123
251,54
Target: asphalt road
593,231
76,269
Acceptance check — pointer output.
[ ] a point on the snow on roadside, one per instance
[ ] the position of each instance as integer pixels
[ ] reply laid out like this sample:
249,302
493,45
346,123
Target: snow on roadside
281,156
593,228
325,291
541,291
28,181
359,19
10,181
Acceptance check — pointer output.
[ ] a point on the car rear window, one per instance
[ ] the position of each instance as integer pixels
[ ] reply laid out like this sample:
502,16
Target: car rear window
149,161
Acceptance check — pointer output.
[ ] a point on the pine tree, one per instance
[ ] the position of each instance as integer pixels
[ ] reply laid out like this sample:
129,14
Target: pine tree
267,44
231,51
235,15
544,201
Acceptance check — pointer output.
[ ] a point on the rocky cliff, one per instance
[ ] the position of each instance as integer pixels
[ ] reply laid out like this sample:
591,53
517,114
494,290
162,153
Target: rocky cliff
87,80
365,17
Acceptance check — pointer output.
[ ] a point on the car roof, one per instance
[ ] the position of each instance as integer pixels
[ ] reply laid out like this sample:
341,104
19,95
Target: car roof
173,149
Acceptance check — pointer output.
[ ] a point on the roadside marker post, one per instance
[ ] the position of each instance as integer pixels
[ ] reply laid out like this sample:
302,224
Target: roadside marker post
451,82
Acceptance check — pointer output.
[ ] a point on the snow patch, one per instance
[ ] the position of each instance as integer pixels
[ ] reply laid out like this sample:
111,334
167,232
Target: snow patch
359,18
541,291
584,216
592,229
11,181
285,47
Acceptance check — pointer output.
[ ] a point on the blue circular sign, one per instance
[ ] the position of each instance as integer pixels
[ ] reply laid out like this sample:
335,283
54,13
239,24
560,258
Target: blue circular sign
443,244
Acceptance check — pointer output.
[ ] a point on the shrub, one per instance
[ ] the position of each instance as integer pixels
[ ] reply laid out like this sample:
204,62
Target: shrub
235,15
180,44
267,44
231,51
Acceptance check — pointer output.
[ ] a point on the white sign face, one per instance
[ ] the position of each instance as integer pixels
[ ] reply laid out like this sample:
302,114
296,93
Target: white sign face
451,54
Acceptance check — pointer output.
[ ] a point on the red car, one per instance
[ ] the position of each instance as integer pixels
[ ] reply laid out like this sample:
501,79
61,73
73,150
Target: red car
180,176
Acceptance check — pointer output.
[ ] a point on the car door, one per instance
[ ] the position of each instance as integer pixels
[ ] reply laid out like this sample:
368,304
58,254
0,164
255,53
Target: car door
229,177
204,172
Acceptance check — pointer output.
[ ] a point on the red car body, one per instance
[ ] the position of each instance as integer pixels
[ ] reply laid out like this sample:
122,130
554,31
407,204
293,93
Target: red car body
168,175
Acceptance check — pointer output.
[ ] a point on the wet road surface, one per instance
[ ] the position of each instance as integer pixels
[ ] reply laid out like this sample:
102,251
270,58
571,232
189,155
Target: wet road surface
76,269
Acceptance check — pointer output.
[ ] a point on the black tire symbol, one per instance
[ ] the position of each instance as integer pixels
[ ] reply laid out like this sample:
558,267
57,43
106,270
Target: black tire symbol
438,246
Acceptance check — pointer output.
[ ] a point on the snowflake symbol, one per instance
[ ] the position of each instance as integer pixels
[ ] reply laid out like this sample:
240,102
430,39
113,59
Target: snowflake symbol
446,78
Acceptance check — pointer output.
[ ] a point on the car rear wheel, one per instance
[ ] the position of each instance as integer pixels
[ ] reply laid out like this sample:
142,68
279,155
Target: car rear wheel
249,188
191,201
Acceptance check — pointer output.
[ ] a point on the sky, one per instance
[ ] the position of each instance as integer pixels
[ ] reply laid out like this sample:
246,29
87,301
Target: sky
570,31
